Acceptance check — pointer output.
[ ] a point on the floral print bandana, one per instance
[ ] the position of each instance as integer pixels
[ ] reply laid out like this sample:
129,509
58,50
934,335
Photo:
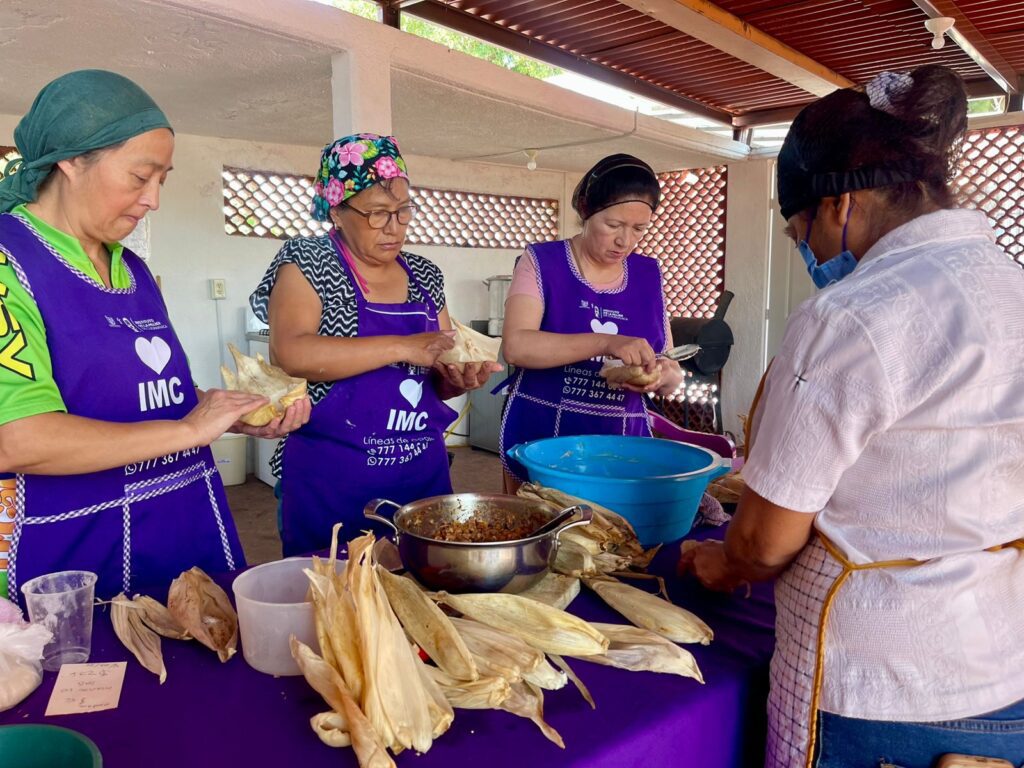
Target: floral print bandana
350,165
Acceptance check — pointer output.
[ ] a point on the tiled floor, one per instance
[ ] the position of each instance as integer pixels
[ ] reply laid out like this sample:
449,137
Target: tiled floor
255,509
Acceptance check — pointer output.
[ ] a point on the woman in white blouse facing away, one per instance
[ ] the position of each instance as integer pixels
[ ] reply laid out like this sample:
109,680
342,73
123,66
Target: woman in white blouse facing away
886,484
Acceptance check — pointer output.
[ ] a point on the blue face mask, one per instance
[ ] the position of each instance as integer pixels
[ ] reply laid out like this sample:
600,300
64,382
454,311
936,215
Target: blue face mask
833,270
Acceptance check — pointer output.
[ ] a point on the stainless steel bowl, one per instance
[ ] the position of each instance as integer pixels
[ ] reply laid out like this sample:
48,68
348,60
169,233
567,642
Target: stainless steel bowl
456,566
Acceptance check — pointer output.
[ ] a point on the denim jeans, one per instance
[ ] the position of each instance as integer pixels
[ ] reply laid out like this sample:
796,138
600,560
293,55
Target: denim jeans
846,742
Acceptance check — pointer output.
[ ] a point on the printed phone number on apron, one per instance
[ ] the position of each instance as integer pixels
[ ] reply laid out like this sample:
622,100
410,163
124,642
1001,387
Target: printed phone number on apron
591,388
142,466
396,453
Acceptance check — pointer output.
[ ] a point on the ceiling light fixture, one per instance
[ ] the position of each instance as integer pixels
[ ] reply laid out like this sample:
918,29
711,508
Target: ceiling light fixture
939,26
531,163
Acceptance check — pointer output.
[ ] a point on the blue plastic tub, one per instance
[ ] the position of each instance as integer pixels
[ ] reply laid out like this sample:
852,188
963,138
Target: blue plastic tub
655,484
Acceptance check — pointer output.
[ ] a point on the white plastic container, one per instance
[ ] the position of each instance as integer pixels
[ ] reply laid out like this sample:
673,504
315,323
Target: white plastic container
229,453
271,602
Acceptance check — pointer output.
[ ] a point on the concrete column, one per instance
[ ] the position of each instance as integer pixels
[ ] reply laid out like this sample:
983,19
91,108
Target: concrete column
747,247
361,92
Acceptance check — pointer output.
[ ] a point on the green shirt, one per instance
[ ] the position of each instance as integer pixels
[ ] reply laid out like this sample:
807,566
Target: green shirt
27,387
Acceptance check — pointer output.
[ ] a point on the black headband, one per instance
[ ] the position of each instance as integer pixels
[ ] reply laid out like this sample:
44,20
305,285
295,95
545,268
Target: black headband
815,186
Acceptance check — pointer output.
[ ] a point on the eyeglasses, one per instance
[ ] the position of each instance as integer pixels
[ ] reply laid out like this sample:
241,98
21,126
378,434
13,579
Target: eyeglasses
381,219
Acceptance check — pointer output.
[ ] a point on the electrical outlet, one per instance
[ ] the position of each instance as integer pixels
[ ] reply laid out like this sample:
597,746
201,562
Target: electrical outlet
218,288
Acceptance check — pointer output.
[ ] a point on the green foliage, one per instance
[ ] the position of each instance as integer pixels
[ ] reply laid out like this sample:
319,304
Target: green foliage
456,41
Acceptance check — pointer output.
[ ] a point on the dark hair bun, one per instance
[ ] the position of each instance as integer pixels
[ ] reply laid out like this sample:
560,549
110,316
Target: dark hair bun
614,179
841,143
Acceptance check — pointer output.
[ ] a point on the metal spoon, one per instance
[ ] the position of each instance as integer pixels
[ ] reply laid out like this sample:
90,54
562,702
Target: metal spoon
684,352
555,522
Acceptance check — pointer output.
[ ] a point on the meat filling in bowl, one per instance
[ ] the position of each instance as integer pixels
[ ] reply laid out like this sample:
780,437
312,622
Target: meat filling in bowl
484,526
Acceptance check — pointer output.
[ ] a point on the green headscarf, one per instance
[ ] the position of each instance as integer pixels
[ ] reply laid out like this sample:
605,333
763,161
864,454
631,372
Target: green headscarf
76,113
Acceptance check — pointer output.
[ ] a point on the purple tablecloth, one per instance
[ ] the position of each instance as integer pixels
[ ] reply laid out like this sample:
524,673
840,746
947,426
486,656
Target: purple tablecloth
212,714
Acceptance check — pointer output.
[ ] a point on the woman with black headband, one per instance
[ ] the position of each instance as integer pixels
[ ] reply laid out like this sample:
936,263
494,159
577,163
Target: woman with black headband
886,475
574,302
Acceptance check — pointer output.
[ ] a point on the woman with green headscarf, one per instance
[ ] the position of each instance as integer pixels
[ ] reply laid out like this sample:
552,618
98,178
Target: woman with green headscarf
100,423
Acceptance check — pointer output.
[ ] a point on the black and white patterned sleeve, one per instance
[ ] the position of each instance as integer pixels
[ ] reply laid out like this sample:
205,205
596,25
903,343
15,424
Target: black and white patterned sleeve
430,277
314,257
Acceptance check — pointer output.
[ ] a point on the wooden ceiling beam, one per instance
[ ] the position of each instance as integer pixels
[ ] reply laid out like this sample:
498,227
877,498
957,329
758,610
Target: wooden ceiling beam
730,34
446,15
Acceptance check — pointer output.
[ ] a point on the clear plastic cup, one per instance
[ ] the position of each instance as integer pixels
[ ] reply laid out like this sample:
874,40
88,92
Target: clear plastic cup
272,606
62,602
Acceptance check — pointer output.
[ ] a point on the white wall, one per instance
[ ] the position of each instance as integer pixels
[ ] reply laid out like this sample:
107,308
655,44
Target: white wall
747,238
189,246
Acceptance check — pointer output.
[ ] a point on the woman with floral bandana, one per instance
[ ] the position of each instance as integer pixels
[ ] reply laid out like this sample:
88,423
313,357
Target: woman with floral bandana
365,323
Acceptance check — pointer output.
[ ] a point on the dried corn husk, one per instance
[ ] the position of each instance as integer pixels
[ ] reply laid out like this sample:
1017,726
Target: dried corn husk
497,653
482,693
555,589
258,377
612,531
545,628
617,374
427,625
331,728
386,554
547,677
142,641
584,692
394,697
527,701
159,619
470,347
650,612
729,488
640,650
203,609
441,712
326,681
572,559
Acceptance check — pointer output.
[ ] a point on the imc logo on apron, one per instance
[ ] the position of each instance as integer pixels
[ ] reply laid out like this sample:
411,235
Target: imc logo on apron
409,421
161,393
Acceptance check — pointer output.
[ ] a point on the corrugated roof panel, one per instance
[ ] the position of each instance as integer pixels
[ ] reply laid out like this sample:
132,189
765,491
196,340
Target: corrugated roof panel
1001,22
616,36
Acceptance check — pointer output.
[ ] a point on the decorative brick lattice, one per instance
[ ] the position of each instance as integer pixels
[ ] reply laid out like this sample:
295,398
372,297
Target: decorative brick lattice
6,155
688,236
696,404
260,204
469,220
992,180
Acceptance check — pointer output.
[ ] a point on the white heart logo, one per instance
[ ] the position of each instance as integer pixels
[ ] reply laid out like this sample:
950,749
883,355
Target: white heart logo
598,327
412,391
153,352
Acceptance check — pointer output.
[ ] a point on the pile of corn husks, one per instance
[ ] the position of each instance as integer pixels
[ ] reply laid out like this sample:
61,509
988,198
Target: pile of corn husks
502,652
196,608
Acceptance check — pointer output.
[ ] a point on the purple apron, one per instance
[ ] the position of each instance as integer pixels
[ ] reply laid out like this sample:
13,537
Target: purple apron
378,434
115,358
573,399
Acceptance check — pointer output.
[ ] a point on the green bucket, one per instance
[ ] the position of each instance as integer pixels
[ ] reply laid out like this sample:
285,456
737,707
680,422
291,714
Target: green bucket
47,746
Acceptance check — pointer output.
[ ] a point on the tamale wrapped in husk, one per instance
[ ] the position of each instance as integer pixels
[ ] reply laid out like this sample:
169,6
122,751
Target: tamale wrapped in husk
159,619
138,638
470,347
640,650
203,609
545,628
482,693
497,653
258,377
428,626
651,612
